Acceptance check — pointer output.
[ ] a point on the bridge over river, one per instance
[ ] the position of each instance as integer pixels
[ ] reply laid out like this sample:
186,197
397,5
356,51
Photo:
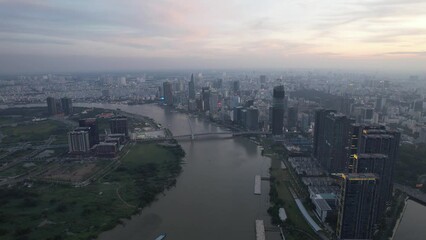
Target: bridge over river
193,136
203,135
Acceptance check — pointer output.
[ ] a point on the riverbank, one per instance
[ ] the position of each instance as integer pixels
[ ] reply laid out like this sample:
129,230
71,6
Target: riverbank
398,221
215,190
295,227
35,209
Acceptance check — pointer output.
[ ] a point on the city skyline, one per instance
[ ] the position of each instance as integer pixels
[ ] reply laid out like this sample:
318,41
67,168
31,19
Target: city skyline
342,148
110,35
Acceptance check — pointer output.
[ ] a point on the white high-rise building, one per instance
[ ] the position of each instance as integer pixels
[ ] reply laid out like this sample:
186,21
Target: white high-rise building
214,100
78,141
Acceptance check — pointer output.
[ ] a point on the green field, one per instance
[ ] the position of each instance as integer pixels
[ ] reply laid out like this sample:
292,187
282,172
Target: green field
25,113
8,120
17,154
33,131
16,170
49,211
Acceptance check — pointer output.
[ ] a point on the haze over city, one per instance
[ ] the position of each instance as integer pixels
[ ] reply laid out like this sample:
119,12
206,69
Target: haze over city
72,36
213,120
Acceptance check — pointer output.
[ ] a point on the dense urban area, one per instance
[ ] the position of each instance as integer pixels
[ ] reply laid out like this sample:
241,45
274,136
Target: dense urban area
346,149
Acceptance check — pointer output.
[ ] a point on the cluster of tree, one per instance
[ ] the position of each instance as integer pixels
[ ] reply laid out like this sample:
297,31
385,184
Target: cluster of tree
28,112
276,203
411,164
388,221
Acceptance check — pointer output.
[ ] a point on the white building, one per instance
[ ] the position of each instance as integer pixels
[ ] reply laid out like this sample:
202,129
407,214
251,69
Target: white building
78,141
321,207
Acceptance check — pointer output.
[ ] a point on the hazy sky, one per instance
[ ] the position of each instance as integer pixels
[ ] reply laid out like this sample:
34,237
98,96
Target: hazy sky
84,35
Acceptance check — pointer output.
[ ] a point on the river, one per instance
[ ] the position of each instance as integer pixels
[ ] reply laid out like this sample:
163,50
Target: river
213,198
412,226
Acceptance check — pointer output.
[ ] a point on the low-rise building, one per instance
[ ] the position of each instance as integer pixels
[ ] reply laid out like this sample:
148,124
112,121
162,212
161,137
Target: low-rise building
106,149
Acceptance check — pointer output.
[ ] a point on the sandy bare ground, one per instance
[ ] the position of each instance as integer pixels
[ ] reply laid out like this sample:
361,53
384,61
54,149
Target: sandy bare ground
73,172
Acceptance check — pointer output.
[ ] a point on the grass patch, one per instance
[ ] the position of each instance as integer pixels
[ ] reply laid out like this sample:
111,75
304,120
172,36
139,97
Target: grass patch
49,211
8,120
17,154
60,139
16,170
34,131
295,224
25,113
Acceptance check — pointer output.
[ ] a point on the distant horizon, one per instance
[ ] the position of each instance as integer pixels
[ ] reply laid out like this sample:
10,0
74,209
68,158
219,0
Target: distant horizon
148,69
390,73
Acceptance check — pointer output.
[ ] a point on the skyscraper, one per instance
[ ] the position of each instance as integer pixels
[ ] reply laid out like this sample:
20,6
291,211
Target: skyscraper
218,83
236,86
213,101
244,118
319,130
358,204
119,125
205,97
374,163
59,109
168,93
331,139
191,88
252,119
58,106
380,103
67,106
418,105
292,117
51,106
237,112
78,140
93,132
278,110
376,140
262,81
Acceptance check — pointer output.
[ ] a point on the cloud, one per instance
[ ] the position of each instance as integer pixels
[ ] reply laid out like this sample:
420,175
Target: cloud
417,53
221,29
34,41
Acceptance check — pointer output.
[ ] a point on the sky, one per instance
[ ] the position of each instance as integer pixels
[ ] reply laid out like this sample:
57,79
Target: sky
115,35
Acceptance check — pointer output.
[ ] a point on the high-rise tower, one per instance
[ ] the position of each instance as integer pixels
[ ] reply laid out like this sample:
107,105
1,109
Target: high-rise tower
375,140
278,110
168,93
292,117
92,124
51,106
205,98
331,140
358,204
191,88
119,125
67,106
